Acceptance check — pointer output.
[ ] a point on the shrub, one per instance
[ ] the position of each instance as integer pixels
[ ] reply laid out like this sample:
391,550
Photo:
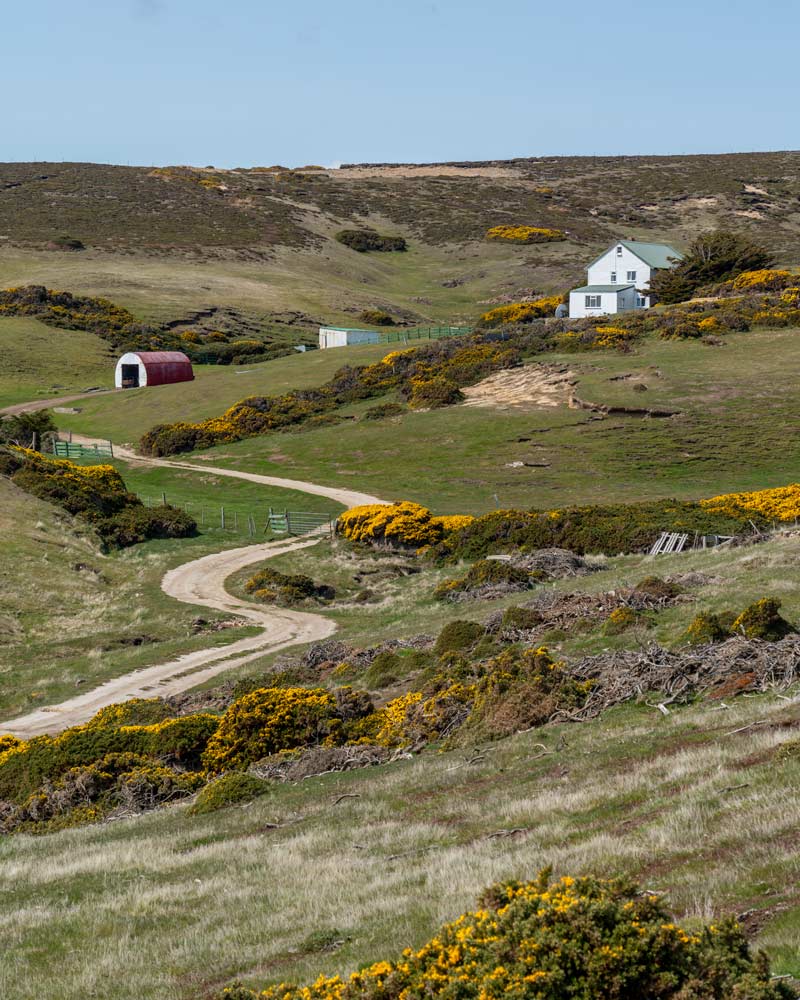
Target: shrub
485,575
434,392
524,234
268,720
707,627
384,410
658,589
761,620
459,360
366,240
271,585
26,428
620,620
457,636
403,525
228,790
549,940
521,312
98,495
376,317
763,280
780,504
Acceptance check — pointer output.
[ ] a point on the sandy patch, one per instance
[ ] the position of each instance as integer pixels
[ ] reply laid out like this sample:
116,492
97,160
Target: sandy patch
423,171
752,189
527,387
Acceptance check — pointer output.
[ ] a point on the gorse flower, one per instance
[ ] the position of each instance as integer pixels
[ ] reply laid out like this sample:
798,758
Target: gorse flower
546,940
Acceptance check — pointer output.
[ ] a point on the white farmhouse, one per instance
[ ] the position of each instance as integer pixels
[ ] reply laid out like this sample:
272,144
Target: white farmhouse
618,280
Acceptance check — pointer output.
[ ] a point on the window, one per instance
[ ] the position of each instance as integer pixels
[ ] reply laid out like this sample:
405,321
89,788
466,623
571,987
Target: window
631,276
619,251
641,302
613,277
592,301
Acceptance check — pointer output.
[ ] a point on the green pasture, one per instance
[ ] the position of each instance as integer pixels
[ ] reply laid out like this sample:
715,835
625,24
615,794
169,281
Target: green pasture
38,361
734,430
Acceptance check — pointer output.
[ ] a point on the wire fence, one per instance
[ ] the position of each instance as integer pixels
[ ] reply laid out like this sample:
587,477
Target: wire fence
422,333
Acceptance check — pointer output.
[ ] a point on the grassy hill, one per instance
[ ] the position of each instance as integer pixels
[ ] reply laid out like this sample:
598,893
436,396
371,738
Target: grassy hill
730,431
37,361
168,242
71,616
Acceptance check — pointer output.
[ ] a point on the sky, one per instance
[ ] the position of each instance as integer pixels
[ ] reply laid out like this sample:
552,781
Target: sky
258,82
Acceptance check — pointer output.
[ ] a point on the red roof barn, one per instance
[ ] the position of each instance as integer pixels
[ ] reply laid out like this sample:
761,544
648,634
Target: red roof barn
140,368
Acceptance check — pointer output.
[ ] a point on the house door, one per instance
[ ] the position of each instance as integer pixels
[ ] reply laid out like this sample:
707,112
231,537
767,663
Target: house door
130,376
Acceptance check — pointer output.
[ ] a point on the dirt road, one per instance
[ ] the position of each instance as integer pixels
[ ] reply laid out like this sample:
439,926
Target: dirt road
46,404
202,582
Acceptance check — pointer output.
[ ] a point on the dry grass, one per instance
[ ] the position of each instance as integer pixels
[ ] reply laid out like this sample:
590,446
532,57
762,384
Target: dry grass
670,800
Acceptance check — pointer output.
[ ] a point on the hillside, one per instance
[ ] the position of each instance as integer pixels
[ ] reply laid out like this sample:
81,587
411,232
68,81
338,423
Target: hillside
169,242
342,739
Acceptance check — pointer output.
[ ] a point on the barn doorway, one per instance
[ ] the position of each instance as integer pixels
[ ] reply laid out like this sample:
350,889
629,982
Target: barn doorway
130,376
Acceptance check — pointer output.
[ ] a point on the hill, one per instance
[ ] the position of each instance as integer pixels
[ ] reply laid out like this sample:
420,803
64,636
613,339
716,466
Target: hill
170,242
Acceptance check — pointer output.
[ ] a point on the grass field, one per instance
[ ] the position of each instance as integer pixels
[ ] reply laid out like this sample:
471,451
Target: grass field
459,458
37,361
125,416
346,869
71,616
732,433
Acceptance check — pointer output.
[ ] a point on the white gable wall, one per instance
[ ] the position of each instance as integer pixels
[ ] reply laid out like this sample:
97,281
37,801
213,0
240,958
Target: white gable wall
600,273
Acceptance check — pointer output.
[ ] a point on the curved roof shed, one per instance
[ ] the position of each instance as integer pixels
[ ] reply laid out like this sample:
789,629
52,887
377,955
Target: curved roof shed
140,368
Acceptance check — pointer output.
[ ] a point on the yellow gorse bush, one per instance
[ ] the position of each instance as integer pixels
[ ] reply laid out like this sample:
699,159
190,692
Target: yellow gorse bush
547,940
779,504
403,524
524,234
764,280
522,312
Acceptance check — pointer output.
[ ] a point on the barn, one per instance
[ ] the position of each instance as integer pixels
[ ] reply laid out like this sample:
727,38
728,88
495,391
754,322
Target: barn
140,368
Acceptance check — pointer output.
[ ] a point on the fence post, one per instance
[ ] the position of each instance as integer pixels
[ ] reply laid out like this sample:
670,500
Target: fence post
164,499
236,520
111,447
288,522
222,517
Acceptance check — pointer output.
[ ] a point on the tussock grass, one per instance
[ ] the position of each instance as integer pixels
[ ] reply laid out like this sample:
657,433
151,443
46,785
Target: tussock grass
670,800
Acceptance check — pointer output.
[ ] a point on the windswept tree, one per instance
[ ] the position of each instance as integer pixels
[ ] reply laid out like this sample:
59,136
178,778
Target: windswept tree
713,257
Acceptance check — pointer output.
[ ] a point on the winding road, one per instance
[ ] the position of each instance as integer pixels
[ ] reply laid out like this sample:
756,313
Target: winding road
202,582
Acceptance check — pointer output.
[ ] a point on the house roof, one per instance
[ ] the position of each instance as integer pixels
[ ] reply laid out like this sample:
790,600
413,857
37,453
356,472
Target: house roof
654,254
603,288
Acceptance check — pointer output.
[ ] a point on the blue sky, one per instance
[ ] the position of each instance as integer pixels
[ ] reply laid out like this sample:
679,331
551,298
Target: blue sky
257,82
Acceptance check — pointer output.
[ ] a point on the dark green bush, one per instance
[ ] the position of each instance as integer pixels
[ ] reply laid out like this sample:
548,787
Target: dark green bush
457,636
228,790
271,585
139,523
365,240
376,317
384,410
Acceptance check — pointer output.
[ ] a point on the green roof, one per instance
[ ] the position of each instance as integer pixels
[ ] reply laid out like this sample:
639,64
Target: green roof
654,254
602,288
